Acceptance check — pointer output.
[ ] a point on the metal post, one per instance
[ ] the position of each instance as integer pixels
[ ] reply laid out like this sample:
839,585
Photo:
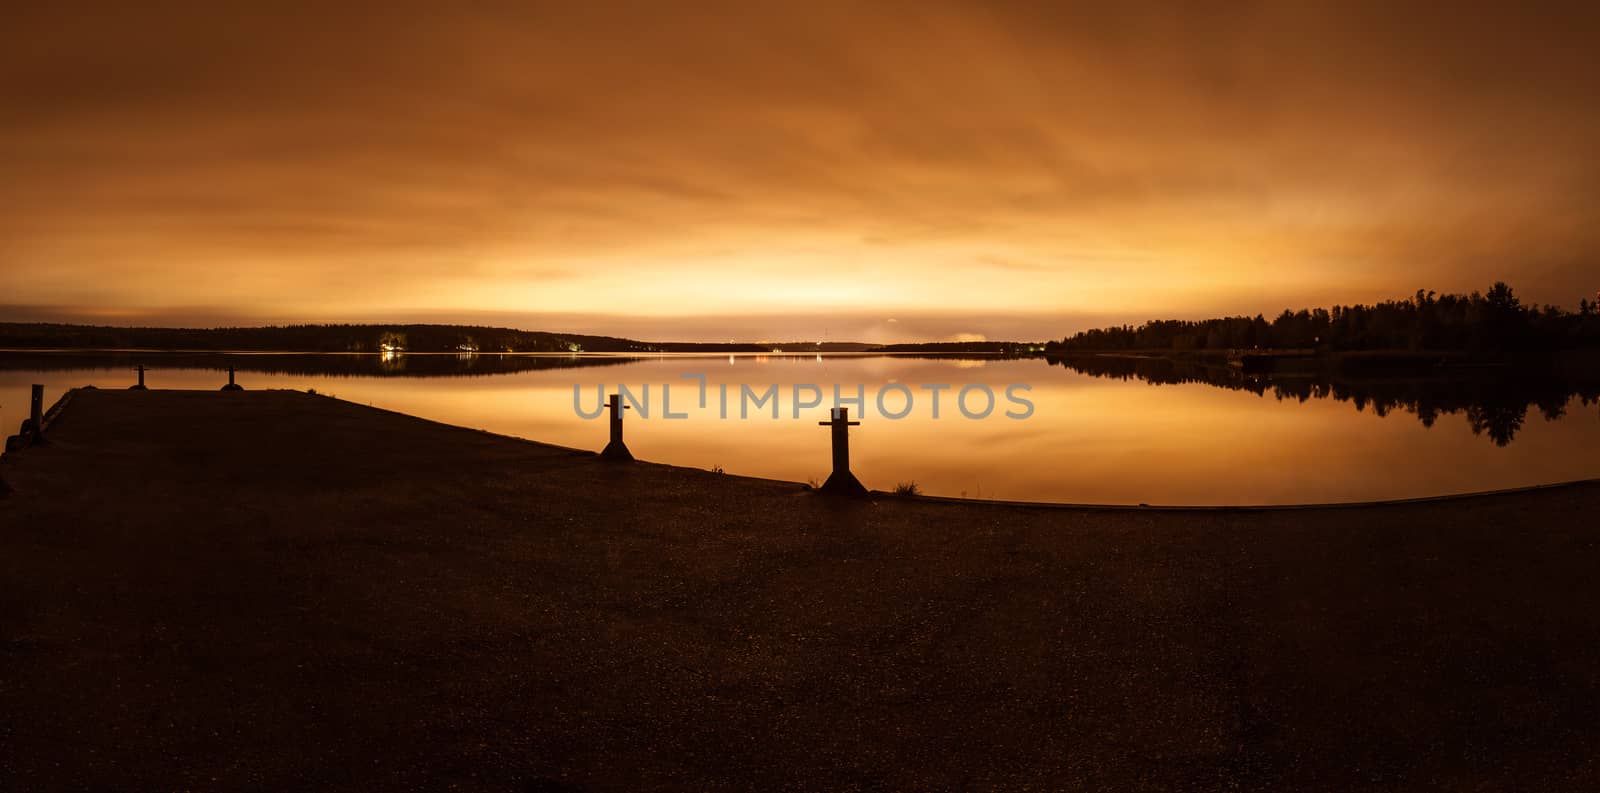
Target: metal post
140,386
841,481
616,449
36,415
232,386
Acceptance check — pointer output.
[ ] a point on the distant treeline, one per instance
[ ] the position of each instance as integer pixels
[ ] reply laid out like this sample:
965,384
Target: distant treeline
1479,322
307,338
349,338
298,363
419,338
1013,349
366,338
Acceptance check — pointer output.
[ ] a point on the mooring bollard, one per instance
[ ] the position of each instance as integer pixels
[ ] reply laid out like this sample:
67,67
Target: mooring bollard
841,482
140,386
616,449
36,415
232,386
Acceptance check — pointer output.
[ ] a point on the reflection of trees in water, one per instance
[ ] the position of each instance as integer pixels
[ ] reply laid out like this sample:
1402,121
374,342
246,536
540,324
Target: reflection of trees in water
1494,406
1499,422
330,365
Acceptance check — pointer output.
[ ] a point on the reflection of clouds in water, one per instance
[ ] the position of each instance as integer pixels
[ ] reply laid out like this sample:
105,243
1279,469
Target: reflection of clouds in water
1097,437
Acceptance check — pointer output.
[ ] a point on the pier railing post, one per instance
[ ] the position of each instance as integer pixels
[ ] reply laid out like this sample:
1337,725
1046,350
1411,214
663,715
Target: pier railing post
616,449
232,386
841,482
36,415
140,385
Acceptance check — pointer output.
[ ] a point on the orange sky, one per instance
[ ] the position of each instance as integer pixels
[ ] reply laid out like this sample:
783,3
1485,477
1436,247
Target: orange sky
1013,170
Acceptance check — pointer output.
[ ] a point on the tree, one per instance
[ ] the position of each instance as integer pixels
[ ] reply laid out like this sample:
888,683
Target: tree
1496,320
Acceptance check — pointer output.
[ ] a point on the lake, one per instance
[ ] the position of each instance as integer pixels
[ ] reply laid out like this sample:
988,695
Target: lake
1112,431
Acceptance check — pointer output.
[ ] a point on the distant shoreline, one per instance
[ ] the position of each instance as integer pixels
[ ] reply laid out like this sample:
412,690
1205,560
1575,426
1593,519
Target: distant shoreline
420,338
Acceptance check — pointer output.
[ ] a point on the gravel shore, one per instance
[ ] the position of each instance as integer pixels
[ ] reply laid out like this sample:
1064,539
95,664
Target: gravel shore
273,590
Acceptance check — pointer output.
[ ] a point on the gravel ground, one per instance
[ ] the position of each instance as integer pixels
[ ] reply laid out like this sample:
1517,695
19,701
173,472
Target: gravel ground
272,590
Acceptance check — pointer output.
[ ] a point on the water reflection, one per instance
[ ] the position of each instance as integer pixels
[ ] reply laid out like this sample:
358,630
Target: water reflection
1100,433
1495,403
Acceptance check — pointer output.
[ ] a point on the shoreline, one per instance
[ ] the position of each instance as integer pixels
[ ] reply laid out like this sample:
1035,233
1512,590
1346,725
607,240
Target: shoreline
268,589
52,413
1067,505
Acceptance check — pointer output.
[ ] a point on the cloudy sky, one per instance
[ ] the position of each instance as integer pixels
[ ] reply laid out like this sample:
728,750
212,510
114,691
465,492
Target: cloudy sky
757,171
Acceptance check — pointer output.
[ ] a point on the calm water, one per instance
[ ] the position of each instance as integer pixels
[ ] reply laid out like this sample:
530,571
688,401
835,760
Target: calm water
1106,432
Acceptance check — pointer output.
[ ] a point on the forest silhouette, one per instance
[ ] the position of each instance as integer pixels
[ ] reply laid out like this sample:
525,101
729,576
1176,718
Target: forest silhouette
1487,322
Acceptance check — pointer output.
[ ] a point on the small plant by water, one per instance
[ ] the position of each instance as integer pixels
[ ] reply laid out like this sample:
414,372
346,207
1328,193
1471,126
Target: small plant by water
907,489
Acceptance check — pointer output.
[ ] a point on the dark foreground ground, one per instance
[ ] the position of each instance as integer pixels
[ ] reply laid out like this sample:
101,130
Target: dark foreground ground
272,590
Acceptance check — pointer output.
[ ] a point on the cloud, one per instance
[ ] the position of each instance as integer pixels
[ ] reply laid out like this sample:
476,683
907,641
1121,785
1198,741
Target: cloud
667,163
